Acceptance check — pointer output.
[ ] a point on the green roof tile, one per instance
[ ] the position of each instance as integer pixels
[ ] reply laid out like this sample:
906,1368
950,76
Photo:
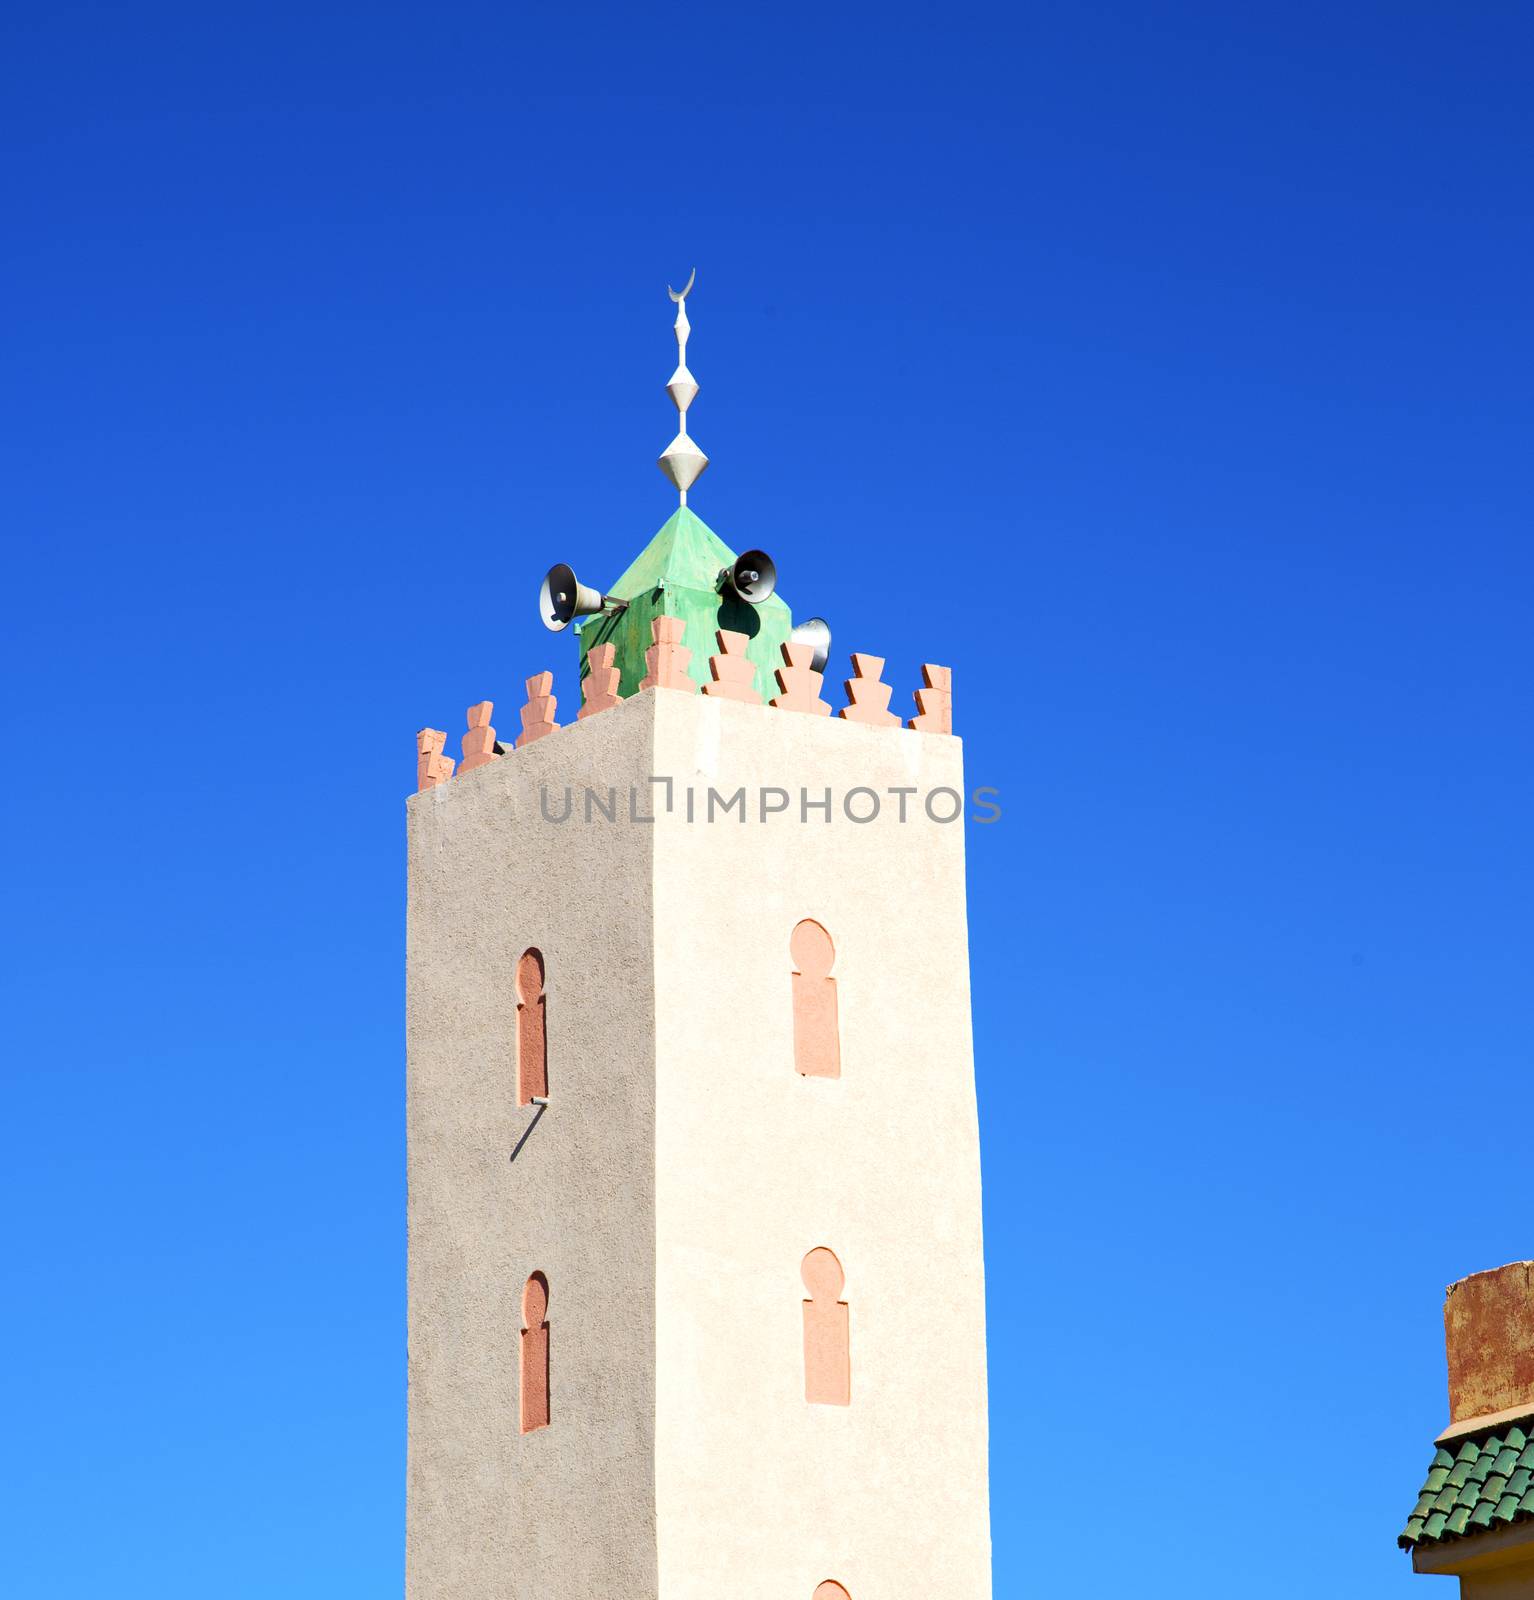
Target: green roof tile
1486,1482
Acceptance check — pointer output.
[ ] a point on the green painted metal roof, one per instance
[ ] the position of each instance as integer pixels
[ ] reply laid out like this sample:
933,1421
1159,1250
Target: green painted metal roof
686,551
1482,1483
677,575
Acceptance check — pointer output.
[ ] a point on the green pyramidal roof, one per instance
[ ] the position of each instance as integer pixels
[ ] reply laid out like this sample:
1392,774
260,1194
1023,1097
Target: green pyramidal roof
677,575
686,552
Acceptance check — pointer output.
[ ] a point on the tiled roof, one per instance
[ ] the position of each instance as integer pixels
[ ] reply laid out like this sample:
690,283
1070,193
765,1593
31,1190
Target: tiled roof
1484,1483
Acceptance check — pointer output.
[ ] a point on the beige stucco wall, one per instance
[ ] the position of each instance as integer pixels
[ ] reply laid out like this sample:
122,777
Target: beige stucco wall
1509,1583
567,1512
682,1172
1494,1564
758,1493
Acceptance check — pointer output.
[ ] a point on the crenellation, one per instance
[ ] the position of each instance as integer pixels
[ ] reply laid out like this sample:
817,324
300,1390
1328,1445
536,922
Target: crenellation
432,767
667,659
934,700
867,697
600,685
798,683
538,714
479,746
734,677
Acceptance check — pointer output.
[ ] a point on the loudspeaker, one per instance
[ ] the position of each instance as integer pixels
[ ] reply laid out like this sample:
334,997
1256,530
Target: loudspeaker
816,632
563,598
752,578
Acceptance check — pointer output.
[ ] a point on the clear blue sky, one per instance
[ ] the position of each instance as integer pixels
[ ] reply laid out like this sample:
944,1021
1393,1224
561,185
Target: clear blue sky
1166,369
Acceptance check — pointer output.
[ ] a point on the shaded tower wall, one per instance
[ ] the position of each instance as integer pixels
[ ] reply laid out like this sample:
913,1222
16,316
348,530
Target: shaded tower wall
568,1511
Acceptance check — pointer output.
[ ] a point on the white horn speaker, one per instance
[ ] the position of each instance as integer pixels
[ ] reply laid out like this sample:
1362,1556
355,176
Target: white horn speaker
563,598
815,632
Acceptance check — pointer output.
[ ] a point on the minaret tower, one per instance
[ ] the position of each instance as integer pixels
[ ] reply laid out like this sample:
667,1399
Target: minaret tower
696,1291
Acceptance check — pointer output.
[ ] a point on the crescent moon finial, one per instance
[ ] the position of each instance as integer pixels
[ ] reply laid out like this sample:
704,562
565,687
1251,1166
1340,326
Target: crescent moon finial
682,461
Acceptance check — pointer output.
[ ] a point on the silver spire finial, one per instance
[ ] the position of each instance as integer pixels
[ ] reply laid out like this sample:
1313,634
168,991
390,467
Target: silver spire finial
682,461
